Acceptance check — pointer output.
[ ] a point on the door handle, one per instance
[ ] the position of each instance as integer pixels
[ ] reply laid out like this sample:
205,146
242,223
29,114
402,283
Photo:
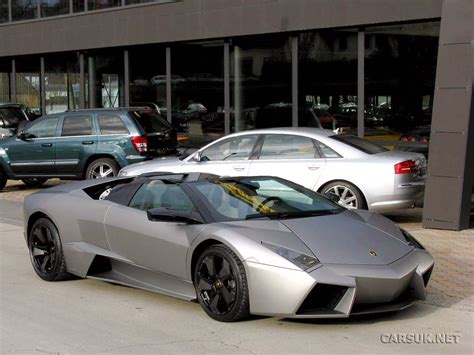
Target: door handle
239,168
47,144
87,142
313,167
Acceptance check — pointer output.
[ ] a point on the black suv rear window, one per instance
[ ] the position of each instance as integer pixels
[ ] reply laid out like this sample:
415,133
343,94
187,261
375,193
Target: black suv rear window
11,116
150,121
359,143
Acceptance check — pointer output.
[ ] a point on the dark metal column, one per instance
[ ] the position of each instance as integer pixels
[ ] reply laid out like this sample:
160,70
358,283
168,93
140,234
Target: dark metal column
126,74
10,10
449,184
42,87
82,88
92,88
13,82
237,88
169,113
294,81
360,82
226,88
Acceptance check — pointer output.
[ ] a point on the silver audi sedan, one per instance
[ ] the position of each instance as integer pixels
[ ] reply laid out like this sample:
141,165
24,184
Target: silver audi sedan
362,174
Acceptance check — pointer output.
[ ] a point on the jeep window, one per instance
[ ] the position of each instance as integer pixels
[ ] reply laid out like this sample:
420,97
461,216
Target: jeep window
150,121
112,125
43,129
77,126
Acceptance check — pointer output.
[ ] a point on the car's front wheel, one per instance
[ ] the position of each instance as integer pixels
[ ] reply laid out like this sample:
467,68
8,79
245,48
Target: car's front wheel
221,284
349,195
46,251
34,182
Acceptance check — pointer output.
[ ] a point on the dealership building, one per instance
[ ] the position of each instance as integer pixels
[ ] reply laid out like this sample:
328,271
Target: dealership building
397,72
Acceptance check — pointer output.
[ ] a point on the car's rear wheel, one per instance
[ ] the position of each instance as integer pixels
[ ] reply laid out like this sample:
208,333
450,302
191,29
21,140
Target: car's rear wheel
3,179
221,284
349,195
46,252
34,182
102,168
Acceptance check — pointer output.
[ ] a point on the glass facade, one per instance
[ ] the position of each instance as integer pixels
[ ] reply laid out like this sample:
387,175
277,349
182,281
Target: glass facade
54,7
28,82
400,63
197,91
24,9
62,84
148,77
102,4
327,78
3,11
78,5
5,70
261,93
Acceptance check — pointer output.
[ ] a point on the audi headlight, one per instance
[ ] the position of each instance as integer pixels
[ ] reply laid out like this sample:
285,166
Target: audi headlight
122,173
411,240
303,261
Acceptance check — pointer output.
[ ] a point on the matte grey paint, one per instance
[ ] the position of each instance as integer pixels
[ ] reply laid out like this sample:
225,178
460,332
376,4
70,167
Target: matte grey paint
157,256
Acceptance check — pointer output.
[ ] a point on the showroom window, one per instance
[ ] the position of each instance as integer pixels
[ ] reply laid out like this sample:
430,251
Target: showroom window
197,91
260,82
106,79
133,2
78,5
54,7
327,92
24,9
62,84
148,78
102,4
28,82
5,69
3,11
400,70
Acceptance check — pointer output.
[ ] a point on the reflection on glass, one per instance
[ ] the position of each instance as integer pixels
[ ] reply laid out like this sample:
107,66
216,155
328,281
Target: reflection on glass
108,79
3,11
62,84
400,68
102,4
24,9
28,83
5,68
197,91
148,78
78,5
133,2
54,7
327,62
260,83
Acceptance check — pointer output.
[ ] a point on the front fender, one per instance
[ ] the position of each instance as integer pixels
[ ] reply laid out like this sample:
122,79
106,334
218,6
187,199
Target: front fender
5,163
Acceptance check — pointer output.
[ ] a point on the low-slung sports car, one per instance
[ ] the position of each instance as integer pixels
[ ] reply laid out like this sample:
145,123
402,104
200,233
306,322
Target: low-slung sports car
240,246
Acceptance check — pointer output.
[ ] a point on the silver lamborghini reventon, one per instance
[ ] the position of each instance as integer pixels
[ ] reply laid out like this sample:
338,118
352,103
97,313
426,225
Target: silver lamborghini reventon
240,246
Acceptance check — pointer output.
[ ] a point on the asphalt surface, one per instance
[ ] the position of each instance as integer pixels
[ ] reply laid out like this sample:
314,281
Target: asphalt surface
88,316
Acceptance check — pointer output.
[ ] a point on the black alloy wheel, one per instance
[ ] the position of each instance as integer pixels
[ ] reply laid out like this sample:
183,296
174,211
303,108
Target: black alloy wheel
46,252
221,284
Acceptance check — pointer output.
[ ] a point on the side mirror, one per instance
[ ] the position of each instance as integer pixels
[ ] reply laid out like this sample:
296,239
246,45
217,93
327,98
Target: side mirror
332,197
166,215
197,157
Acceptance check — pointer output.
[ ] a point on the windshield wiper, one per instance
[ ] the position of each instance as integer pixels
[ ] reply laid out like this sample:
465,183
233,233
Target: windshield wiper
292,214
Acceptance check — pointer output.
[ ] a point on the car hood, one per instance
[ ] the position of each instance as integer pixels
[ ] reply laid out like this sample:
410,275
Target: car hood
166,164
351,238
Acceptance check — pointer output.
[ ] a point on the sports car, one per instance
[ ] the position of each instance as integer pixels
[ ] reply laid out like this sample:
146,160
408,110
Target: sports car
239,246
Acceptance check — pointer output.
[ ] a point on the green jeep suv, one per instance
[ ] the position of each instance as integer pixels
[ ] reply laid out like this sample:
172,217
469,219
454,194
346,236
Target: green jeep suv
86,144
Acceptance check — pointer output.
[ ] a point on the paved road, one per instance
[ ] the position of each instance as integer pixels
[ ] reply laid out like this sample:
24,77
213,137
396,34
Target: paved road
93,316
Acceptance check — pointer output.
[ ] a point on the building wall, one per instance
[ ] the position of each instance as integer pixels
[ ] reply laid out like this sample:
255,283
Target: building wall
200,19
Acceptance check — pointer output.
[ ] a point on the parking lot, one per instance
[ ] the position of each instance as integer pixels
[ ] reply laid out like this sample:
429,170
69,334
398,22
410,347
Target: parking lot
93,316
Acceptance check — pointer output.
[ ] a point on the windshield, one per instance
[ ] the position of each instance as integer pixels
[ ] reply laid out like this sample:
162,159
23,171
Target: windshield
150,121
359,143
261,197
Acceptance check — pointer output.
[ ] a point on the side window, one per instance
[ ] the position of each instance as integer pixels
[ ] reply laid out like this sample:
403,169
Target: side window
77,126
112,125
327,152
158,194
279,146
43,129
235,148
